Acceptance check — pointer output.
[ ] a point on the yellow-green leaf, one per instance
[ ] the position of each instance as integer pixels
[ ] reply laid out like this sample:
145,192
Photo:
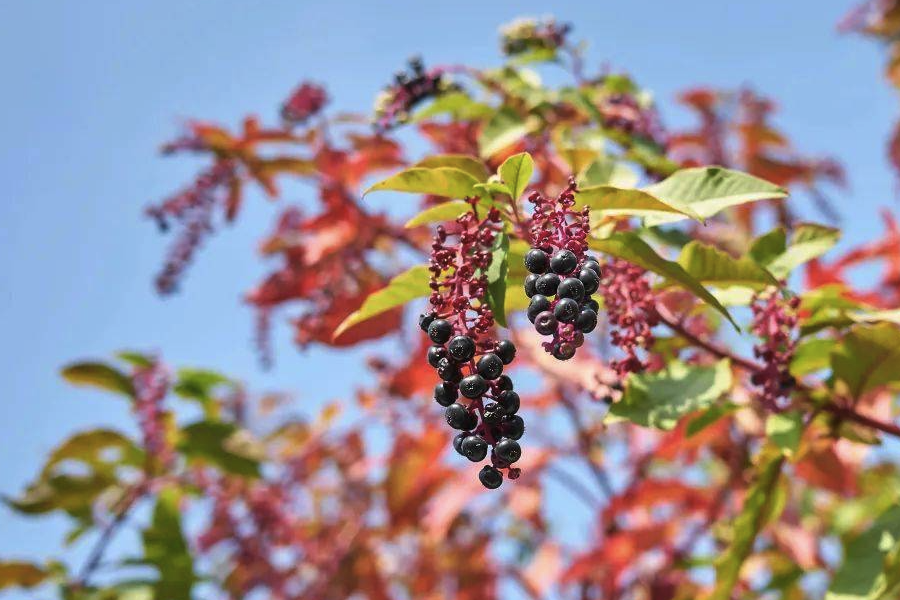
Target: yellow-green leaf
784,430
411,284
607,171
504,129
711,266
470,164
448,182
516,173
99,375
446,211
808,241
871,568
629,202
867,357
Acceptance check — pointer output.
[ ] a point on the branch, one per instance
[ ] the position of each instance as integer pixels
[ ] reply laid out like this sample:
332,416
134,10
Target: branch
675,325
584,440
845,412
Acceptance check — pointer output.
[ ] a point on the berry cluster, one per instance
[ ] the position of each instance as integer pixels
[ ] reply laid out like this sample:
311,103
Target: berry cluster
631,310
467,358
774,322
151,383
528,35
562,276
622,112
393,105
306,101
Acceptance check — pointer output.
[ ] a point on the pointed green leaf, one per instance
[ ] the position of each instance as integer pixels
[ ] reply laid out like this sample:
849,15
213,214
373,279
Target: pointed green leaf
708,417
711,266
221,444
867,357
630,202
811,354
784,430
470,164
409,285
769,246
445,211
808,241
100,449
708,190
456,104
448,182
496,275
99,375
607,171
504,129
871,568
661,398
516,173
166,549
629,246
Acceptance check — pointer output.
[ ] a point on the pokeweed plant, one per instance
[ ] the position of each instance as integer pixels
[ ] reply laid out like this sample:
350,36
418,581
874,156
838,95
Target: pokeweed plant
717,399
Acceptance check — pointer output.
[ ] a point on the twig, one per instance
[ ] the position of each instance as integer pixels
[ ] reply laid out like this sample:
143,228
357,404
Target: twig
584,440
675,325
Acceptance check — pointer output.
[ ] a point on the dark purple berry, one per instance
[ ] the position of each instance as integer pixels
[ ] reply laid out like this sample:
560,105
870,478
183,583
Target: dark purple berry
547,284
563,262
508,450
564,351
530,280
545,323
506,350
473,386
489,366
513,427
566,310
448,371
537,261
493,413
490,477
435,354
445,393
539,303
592,304
458,440
590,280
459,417
440,331
587,320
474,448
504,383
571,287
593,265
509,401
461,348
425,320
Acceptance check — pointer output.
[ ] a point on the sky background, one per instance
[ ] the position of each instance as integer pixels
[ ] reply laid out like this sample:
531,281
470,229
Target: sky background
91,89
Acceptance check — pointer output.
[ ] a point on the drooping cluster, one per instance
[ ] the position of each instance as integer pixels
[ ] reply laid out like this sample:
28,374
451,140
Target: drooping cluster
631,311
562,276
410,88
530,35
304,102
479,399
623,112
151,384
192,208
774,323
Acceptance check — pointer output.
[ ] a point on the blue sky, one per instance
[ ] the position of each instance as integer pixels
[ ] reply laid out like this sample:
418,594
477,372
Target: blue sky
92,88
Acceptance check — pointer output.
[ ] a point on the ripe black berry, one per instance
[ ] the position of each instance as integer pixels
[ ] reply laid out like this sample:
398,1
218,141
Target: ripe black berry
563,262
458,440
513,427
474,448
545,323
590,279
570,287
547,284
509,401
461,348
473,386
587,320
440,331
592,304
493,413
435,354
564,351
489,366
448,371
490,477
536,261
539,303
425,320
530,280
445,393
593,265
508,450
459,417
506,350
504,383
566,310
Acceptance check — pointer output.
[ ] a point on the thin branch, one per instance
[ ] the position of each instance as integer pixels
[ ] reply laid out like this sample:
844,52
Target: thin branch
574,485
584,441
675,325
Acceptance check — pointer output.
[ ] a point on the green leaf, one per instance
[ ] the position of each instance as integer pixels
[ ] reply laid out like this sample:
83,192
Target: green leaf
661,398
630,202
769,246
867,357
516,173
785,430
504,129
100,449
448,182
811,355
711,266
607,171
496,275
446,211
759,505
223,444
808,241
74,494
408,285
99,375
166,549
708,190
463,162
456,104
629,246
15,573
875,316
871,568
136,359
708,417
